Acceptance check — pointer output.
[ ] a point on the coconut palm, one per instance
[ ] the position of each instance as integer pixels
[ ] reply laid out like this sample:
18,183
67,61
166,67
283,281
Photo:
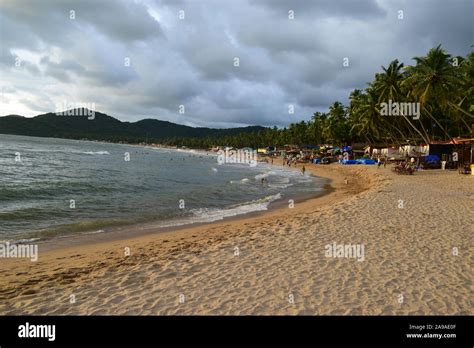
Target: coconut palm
388,85
435,83
365,118
336,128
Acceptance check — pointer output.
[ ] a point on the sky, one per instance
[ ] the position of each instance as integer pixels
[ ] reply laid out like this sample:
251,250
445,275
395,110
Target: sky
212,63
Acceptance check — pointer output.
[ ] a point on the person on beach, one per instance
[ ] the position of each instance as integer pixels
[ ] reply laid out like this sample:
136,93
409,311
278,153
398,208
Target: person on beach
303,170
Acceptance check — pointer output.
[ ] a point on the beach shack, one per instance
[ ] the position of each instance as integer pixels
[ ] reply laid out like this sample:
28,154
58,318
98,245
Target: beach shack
308,152
413,150
441,149
391,153
372,150
464,153
291,148
465,149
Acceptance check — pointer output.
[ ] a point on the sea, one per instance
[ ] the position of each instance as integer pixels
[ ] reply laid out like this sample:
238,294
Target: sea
51,188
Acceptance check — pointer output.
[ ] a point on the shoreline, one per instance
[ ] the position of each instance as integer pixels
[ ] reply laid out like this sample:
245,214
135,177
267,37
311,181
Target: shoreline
249,266
89,246
49,238
132,231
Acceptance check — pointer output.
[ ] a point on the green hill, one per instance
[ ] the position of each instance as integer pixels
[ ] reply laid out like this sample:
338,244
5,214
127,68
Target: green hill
107,128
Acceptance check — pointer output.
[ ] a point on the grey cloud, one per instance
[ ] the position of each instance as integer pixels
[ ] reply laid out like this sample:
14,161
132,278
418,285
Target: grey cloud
39,104
51,20
190,61
70,70
362,9
8,89
7,59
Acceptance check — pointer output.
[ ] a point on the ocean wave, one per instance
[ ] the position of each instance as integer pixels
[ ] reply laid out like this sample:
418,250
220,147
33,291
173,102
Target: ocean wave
206,215
242,181
214,214
191,152
96,152
160,149
21,241
93,232
261,176
82,227
280,186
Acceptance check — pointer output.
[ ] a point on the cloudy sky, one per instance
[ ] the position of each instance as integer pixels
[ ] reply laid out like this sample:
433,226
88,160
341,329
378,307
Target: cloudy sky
137,59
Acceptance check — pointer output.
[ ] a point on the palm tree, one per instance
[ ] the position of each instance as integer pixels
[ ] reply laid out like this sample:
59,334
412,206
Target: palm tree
466,90
316,126
366,118
435,83
337,126
388,85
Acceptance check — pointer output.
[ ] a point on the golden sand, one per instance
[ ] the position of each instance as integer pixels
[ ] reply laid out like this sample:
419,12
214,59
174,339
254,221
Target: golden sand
417,234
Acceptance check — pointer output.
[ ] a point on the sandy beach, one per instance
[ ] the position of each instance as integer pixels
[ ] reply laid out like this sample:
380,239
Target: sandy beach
416,232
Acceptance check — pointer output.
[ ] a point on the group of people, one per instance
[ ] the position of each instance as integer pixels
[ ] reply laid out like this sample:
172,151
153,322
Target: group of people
404,167
409,164
288,161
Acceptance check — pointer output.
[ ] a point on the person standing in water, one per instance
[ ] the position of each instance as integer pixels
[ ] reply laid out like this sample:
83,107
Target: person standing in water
303,170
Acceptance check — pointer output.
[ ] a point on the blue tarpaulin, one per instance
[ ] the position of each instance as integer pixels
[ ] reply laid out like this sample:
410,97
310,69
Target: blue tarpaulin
359,161
366,161
432,158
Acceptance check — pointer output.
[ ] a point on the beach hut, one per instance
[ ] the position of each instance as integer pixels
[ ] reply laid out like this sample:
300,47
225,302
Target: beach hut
413,150
291,148
391,153
441,148
372,150
465,148
464,153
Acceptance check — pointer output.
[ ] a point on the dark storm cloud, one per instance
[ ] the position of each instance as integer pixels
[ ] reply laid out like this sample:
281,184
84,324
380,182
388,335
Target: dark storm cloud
450,23
191,61
358,9
53,21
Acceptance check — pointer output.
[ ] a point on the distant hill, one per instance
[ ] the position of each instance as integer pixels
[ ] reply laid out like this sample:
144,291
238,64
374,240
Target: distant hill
105,127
